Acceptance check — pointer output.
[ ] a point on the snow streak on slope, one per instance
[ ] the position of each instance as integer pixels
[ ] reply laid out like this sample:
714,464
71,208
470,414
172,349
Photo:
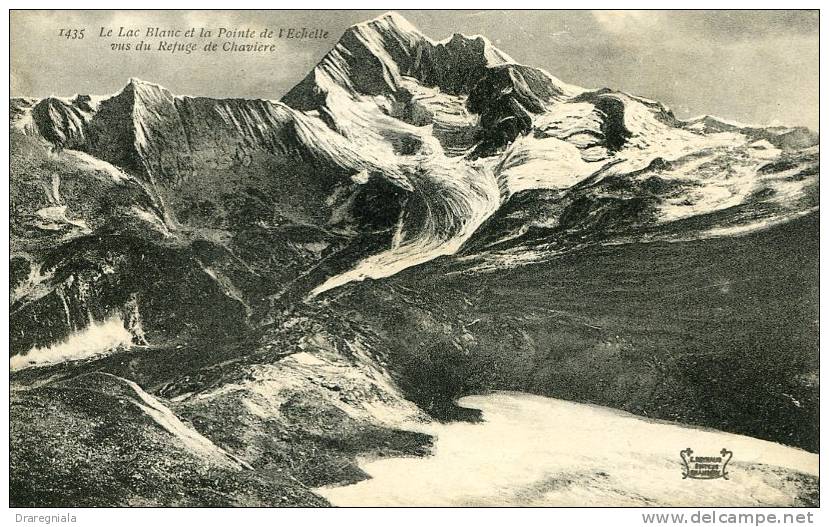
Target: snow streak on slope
95,340
189,436
449,202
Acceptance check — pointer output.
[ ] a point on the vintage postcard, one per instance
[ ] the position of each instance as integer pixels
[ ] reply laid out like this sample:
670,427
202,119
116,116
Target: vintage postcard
414,258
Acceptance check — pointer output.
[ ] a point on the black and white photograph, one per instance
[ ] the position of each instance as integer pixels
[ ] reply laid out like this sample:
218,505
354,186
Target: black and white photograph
414,258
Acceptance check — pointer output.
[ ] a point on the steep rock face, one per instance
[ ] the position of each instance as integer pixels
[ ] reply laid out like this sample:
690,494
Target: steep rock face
371,58
530,87
64,121
139,129
375,58
59,194
387,85
457,65
197,154
506,98
414,148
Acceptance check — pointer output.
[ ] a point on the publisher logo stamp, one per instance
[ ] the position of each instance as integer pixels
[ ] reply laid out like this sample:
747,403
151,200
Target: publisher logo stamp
705,467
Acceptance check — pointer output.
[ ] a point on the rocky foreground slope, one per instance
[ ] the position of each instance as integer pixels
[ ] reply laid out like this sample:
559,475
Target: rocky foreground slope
192,271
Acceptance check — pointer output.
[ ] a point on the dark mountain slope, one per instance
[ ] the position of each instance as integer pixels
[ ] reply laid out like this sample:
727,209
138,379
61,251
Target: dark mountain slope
719,332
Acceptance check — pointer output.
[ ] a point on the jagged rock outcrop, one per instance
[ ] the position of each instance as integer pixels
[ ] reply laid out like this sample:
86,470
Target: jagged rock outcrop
787,138
376,59
372,58
64,121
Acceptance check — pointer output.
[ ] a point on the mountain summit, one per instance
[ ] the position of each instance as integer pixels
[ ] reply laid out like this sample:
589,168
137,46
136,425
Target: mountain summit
390,60
372,58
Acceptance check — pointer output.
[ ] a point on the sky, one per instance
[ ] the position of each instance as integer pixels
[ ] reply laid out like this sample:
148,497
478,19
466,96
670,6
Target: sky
757,67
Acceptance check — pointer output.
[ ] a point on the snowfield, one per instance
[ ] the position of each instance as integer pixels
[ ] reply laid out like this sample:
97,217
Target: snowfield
536,451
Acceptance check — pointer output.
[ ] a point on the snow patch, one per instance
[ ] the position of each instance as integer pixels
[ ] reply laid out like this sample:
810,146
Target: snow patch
557,453
96,340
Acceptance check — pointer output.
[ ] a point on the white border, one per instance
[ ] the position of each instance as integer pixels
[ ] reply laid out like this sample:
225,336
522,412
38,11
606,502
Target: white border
369,517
